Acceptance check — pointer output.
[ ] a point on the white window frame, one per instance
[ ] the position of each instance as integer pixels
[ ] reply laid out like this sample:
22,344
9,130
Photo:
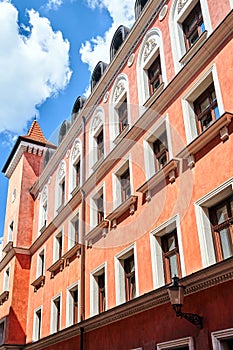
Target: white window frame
203,222
53,317
94,289
36,324
153,44
43,215
70,305
187,101
71,230
175,25
159,128
219,336
120,273
56,246
93,205
156,249
176,344
120,90
97,125
39,271
75,157
116,184
6,282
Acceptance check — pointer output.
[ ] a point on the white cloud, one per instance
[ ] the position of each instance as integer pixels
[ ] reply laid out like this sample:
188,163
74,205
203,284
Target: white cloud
54,4
98,48
33,67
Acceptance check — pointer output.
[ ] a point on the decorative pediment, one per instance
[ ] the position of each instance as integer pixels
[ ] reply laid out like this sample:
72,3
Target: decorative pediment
119,88
76,150
98,120
180,5
149,47
61,170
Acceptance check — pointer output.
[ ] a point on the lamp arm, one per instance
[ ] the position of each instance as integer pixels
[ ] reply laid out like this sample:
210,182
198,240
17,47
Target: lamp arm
193,318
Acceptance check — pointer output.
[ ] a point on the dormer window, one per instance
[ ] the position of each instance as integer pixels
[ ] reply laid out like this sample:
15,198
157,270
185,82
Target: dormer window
117,40
63,130
97,73
139,5
78,105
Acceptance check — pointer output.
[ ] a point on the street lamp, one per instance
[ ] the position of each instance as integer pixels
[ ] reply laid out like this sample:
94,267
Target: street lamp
176,295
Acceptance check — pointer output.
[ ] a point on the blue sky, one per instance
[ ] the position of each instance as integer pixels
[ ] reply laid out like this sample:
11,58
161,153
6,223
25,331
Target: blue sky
48,49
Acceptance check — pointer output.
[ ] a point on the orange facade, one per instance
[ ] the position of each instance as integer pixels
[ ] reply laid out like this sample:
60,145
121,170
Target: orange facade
138,190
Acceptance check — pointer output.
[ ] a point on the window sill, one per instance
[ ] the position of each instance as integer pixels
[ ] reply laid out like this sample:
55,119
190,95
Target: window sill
4,296
219,127
56,267
168,171
101,228
129,204
75,251
194,48
158,91
8,247
121,135
39,282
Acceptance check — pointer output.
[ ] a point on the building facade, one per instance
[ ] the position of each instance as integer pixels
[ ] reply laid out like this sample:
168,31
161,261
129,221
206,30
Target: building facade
139,190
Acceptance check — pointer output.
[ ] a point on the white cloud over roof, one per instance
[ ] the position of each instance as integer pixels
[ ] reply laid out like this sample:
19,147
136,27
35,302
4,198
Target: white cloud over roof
98,48
34,65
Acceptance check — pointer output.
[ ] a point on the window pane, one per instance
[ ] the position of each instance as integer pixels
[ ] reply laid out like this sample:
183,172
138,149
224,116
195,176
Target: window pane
173,266
226,243
221,214
171,243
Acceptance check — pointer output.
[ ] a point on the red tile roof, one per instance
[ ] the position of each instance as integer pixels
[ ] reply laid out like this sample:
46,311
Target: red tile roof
35,133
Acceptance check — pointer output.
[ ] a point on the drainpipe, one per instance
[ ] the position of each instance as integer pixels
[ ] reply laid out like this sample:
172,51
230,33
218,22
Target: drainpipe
83,217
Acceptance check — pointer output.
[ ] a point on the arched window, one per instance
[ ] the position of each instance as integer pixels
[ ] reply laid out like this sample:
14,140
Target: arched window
43,209
60,193
117,40
119,108
96,151
97,73
78,105
138,7
63,130
151,68
189,26
75,167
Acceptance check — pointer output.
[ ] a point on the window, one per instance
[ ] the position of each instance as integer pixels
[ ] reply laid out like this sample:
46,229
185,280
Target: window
98,290
223,339
119,108
189,26
72,310
214,217
181,344
6,283
100,144
41,263
43,208
61,184
10,231
154,75
221,217
2,331
202,105
97,73
139,5
122,112
75,166
74,231
126,275
206,108
117,40
166,252
171,257
125,185
96,138
157,148
37,325
97,208
58,247
151,68
56,315
193,26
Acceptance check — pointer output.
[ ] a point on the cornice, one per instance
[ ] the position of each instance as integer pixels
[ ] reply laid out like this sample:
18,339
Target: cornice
194,283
